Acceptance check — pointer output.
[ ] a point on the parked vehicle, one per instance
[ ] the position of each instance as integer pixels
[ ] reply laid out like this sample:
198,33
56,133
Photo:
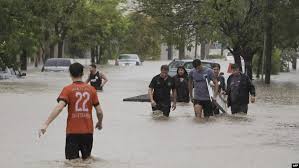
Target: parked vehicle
174,64
128,60
57,64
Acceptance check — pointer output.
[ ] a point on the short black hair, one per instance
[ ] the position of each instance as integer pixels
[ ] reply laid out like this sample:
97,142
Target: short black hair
235,66
76,70
93,65
196,63
164,67
216,65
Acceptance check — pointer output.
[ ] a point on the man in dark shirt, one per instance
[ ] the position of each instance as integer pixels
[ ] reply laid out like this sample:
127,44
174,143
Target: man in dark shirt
238,88
159,92
96,78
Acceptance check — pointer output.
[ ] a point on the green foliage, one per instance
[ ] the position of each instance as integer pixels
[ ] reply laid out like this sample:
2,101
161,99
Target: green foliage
286,24
276,61
142,38
178,21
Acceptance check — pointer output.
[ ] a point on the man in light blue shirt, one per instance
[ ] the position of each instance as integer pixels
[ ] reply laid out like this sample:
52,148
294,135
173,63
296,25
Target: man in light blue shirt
201,99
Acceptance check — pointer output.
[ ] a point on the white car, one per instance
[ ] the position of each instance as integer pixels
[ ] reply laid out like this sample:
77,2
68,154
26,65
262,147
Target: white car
57,64
128,59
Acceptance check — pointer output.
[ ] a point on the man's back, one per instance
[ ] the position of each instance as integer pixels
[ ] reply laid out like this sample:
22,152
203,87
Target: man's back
80,98
200,86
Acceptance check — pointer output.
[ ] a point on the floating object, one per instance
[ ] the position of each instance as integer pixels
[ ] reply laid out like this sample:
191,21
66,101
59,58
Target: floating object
214,101
140,98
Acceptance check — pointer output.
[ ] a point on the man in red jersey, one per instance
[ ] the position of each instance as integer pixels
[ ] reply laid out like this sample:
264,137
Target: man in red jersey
80,98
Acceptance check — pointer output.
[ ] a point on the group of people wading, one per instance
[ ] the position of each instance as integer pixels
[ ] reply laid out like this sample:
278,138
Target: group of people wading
194,86
80,97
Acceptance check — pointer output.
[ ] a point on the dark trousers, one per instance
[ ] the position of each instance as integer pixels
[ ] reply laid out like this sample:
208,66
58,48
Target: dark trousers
76,143
238,108
164,107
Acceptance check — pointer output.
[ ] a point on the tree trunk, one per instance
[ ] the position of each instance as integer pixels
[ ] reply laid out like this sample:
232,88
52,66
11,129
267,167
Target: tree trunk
236,53
101,54
169,51
196,45
294,62
92,54
44,55
207,48
248,68
37,57
269,45
259,65
52,50
60,49
97,55
182,50
24,60
45,47
222,50
238,61
202,50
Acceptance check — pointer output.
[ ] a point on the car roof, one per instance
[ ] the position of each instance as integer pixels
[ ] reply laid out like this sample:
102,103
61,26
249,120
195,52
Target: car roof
191,60
60,59
129,54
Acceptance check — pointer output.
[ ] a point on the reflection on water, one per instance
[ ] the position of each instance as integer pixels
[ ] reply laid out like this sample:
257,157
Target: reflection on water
266,137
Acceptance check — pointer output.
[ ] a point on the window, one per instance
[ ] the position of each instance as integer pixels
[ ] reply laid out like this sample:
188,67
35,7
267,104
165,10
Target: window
175,64
127,57
64,63
51,62
188,65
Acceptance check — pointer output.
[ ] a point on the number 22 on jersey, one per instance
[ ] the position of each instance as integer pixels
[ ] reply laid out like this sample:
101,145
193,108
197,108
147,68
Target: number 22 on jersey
84,98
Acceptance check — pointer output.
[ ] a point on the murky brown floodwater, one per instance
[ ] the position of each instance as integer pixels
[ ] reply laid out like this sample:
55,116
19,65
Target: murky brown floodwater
267,137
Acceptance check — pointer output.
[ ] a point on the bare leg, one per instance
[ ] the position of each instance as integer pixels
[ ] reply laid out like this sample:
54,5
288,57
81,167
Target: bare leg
198,111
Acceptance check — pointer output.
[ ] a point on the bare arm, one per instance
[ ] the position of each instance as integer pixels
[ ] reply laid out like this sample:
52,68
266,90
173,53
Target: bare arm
150,95
88,79
104,78
99,116
190,85
216,87
174,99
56,111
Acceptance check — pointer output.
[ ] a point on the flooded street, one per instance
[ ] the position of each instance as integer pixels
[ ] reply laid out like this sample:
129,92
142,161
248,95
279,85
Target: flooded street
268,137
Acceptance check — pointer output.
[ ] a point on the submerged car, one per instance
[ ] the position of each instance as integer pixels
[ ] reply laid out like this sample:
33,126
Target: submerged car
174,64
128,59
57,64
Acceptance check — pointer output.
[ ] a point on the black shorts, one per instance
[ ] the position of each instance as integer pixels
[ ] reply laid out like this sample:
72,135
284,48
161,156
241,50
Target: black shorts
206,106
76,143
165,108
237,108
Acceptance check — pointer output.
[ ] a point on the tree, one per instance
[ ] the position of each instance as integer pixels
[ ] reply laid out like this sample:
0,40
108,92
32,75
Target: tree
239,23
142,38
175,18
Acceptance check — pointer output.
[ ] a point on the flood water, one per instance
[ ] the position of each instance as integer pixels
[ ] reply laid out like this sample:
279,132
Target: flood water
267,137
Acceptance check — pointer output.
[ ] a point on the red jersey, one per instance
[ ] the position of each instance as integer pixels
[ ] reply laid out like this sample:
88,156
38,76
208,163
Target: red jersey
80,98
